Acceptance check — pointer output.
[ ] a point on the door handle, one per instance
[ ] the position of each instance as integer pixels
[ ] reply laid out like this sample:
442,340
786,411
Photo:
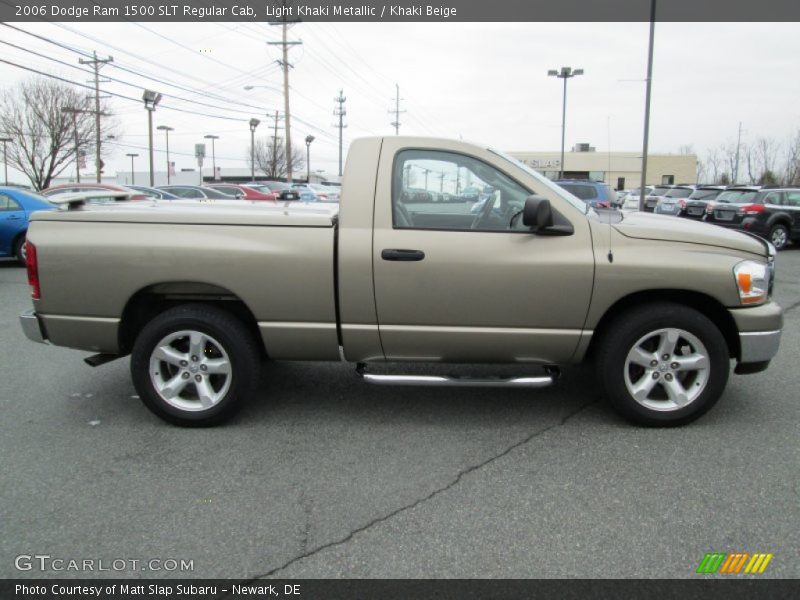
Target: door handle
403,255
13,218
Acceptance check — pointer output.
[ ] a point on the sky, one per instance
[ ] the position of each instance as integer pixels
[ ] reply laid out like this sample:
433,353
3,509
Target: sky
483,82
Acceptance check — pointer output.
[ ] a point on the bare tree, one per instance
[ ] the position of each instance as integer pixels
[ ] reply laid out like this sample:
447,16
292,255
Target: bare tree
43,134
767,152
270,158
712,165
791,170
728,151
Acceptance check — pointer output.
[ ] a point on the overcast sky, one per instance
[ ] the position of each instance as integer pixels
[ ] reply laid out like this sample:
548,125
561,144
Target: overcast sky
485,82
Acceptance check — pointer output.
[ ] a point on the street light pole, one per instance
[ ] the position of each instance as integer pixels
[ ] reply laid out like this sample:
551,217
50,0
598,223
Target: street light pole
166,129
647,103
133,177
253,124
565,73
151,99
309,139
5,157
213,154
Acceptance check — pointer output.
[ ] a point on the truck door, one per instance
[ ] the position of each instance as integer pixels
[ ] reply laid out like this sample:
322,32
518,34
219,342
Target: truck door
455,280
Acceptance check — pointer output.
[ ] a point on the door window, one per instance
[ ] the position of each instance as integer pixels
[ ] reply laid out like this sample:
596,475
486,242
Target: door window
792,199
447,191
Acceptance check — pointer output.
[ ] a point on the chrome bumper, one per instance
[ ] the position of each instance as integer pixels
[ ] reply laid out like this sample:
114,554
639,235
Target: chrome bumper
759,346
31,327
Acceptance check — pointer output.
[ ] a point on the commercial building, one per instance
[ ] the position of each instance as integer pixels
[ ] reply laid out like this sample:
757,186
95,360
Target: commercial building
622,170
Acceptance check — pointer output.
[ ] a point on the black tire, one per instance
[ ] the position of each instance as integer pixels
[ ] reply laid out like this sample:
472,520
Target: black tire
19,251
781,232
703,386
228,345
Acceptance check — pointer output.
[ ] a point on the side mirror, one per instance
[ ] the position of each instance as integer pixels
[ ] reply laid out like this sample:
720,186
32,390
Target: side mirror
542,219
537,213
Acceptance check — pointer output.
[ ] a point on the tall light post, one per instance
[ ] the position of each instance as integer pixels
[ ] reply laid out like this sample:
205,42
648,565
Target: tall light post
253,124
132,155
213,154
151,99
309,139
166,129
565,73
5,140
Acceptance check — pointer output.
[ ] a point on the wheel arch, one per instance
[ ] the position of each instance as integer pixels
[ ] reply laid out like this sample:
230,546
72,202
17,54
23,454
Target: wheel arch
150,301
703,303
16,239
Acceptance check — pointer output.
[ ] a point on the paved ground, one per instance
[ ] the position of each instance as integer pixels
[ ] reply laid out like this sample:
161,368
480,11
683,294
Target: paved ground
326,477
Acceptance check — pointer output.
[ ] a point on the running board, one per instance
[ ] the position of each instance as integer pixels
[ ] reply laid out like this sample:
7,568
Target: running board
539,381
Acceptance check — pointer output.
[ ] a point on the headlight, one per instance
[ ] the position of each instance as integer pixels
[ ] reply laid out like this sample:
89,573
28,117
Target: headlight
752,281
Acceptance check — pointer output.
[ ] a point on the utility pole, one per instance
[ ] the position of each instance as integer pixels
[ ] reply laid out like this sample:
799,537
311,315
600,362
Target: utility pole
647,102
97,64
5,140
340,112
285,64
213,138
132,155
396,110
74,112
276,118
738,145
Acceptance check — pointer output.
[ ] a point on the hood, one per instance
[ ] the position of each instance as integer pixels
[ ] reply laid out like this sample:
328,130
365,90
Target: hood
647,226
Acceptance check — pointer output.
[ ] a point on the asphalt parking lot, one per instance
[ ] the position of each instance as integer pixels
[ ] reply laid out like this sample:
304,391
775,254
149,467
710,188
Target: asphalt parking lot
324,476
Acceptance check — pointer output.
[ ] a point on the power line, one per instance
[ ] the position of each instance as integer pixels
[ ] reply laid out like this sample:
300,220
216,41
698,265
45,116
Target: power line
97,64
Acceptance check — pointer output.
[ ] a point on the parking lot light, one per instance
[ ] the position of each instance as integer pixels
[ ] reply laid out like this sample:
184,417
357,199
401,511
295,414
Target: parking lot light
565,73
253,124
166,129
5,140
132,155
151,99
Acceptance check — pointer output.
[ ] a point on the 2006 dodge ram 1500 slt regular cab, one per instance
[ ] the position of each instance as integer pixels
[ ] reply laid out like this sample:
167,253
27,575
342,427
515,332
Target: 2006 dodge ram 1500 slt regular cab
525,275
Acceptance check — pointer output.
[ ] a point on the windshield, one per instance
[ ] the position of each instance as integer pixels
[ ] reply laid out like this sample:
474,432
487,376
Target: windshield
736,197
658,191
704,194
216,194
678,193
541,179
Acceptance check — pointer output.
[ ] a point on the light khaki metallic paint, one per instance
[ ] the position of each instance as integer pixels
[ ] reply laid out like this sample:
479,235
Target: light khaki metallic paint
477,297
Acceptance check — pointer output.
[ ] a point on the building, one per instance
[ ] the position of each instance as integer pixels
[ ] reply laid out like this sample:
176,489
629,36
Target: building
622,170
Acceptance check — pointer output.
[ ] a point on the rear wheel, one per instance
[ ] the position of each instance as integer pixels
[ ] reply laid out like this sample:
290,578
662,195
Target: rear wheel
779,236
194,365
21,251
663,364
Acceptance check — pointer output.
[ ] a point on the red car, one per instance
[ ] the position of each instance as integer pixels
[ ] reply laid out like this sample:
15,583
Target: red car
243,191
66,188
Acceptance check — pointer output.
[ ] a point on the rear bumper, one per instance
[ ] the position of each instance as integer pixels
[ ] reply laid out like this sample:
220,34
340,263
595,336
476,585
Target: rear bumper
31,327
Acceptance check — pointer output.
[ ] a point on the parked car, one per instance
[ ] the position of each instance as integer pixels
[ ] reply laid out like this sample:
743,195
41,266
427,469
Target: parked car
16,206
549,283
772,213
654,196
674,201
69,188
326,193
196,192
244,191
696,203
306,193
631,201
735,194
153,192
283,190
596,194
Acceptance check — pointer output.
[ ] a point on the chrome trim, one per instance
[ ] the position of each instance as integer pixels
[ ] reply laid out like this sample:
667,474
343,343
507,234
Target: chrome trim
31,327
341,354
759,346
447,381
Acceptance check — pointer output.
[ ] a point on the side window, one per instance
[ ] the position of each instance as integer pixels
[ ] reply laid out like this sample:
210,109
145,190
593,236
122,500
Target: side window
7,203
792,199
772,198
433,189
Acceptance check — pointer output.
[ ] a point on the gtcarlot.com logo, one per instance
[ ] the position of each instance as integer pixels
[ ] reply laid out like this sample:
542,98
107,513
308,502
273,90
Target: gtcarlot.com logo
45,562
734,563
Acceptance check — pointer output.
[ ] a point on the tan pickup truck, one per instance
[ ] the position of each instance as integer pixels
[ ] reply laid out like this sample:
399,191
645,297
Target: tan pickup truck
408,269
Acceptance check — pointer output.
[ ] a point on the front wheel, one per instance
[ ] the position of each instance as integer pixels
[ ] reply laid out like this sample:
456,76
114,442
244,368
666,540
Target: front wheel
663,364
194,365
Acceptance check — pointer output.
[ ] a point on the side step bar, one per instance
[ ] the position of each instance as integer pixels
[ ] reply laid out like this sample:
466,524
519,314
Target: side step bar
538,381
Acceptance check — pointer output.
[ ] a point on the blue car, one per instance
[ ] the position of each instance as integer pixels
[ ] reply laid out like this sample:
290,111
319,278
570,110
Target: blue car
596,194
16,205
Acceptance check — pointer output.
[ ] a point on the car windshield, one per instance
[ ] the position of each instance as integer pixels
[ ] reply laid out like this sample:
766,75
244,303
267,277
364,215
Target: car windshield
582,191
545,183
277,185
678,193
658,191
217,194
704,194
736,197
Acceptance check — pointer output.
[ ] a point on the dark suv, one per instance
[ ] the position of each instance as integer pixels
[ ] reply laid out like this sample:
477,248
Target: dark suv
772,213
696,203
